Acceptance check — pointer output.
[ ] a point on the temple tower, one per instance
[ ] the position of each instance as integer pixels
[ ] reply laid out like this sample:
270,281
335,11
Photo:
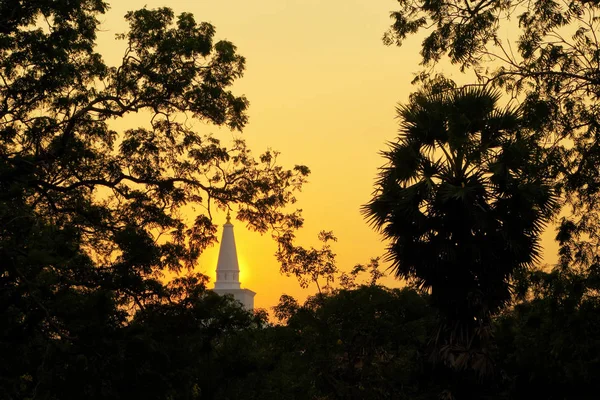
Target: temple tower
228,269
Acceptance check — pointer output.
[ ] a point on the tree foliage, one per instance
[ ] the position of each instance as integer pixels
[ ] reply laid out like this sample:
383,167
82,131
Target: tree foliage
462,205
308,265
176,347
548,344
549,63
460,201
91,216
363,343
544,55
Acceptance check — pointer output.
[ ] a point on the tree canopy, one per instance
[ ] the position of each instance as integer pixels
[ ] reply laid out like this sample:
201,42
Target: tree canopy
462,205
459,201
543,55
90,216
548,62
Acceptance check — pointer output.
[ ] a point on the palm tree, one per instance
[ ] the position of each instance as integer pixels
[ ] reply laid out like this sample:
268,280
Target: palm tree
462,202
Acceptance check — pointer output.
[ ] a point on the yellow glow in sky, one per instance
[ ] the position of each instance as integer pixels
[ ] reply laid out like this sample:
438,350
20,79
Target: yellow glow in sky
323,91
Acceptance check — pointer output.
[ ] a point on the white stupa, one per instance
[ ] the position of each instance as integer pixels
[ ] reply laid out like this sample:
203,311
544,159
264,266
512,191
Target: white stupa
228,270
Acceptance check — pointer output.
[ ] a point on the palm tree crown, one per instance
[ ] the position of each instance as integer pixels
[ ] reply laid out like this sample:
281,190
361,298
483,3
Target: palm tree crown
462,200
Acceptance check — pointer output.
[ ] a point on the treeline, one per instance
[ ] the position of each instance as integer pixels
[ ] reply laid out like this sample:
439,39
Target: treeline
365,342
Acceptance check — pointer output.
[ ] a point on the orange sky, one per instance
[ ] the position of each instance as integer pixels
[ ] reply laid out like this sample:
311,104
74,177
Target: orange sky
323,90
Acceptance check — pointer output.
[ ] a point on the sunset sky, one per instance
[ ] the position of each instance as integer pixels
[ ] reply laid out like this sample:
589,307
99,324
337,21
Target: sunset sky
323,91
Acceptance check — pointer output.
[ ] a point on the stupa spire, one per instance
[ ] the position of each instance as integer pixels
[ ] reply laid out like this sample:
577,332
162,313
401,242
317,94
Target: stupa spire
228,269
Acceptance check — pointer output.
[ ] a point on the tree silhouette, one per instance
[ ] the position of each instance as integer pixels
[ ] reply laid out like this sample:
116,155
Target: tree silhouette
550,64
548,342
91,217
462,202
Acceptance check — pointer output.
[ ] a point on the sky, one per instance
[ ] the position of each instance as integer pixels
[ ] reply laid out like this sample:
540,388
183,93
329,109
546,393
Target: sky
323,91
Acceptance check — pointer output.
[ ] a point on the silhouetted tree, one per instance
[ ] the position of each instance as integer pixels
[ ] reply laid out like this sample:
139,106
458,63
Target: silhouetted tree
550,65
90,216
186,347
364,343
548,343
462,203
308,265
